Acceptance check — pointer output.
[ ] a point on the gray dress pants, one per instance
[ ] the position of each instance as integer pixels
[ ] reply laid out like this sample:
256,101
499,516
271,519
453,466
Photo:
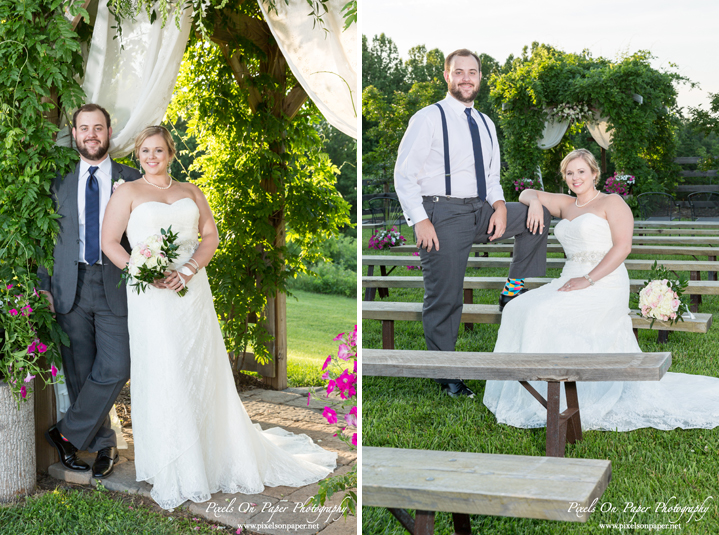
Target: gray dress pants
96,365
459,223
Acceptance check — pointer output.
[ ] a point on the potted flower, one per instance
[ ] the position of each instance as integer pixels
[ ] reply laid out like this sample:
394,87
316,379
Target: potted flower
28,351
523,183
620,183
384,239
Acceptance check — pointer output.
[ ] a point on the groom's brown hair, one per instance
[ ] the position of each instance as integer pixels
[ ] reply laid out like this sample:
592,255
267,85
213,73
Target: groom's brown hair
461,52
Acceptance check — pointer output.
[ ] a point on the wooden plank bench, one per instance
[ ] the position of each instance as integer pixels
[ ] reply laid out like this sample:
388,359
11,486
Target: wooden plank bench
562,427
521,486
389,312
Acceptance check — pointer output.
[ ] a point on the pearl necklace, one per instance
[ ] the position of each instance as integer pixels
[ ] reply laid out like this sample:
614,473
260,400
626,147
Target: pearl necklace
155,185
586,203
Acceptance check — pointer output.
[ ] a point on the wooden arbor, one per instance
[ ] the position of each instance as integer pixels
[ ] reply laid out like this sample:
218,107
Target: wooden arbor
284,102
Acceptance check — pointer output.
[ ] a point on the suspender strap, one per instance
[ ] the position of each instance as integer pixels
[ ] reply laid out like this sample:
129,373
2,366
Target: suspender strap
487,127
447,174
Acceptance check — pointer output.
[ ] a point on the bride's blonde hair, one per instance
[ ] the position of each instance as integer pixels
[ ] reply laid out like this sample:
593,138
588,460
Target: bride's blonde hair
586,156
153,131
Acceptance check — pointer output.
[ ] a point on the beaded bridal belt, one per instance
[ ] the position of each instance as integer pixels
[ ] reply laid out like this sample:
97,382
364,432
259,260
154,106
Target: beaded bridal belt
187,247
587,257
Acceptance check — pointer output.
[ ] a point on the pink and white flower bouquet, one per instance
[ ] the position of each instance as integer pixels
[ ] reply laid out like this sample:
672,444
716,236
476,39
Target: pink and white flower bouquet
620,184
662,297
150,259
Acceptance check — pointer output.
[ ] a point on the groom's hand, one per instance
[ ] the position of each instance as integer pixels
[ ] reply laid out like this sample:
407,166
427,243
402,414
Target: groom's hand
426,235
50,300
498,221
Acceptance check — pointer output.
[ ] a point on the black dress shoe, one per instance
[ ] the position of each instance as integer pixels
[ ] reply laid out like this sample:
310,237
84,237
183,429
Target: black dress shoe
504,299
67,452
457,389
104,462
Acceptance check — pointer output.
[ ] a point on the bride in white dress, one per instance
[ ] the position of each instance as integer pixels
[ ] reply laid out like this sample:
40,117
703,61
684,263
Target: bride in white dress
586,310
192,434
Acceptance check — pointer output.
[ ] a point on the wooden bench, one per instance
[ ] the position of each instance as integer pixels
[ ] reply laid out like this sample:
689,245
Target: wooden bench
562,427
389,312
546,488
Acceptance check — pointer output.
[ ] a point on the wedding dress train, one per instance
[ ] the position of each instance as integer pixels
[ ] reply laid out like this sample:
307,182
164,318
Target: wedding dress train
192,434
593,320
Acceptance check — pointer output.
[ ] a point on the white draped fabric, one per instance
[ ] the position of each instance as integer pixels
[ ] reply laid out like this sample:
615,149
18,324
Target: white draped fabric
554,132
135,84
324,63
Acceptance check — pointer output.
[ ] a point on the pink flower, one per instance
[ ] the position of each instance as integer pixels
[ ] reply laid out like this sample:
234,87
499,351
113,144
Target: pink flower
345,380
29,377
675,304
146,253
331,386
239,530
353,336
338,337
328,413
53,370
9,286
23,391
26,310
41,348
325,376
309,396
31,349
355,367
351,417
13,312
354,439
327,363
343,352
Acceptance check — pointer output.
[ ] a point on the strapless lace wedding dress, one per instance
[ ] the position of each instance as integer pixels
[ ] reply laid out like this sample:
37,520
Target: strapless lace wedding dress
593,320
192,435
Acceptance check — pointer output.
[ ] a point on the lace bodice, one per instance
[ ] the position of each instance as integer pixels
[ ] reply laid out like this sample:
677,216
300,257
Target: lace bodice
585,239
183,215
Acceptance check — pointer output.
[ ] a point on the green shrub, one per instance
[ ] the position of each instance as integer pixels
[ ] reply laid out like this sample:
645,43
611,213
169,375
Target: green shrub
327,279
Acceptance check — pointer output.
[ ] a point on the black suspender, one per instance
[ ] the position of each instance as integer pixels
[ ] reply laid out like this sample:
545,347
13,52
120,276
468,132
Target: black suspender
447,174
445,135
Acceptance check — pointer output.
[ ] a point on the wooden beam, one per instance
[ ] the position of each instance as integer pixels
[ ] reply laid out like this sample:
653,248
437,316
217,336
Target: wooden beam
294,101
255,30
242,76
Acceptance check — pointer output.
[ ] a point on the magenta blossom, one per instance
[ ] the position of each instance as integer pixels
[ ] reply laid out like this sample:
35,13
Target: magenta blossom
343,352
353,337
31,349
325,376
309,397
327,363
331,386
41,348
26,310
13,312
354,439
328,413
345,380
9,286
355,367
351,417
23,391
29,377
53,370
338,337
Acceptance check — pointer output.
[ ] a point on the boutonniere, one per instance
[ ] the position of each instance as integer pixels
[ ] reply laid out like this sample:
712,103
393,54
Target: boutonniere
117,182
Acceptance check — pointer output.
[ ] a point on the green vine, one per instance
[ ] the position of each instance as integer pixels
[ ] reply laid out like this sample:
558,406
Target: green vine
643,134
40,55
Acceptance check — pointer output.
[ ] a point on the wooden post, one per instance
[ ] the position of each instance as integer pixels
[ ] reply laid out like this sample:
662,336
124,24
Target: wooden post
45,417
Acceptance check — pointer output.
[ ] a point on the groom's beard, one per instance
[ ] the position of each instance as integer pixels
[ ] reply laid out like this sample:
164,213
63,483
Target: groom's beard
455,91
95,153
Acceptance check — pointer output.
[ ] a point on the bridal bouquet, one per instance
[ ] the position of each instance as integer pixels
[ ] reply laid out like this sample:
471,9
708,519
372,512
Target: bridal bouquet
149,260
662,297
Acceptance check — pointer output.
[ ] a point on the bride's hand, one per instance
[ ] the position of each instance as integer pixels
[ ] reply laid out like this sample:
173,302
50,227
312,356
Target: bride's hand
577,283
174,281
535,216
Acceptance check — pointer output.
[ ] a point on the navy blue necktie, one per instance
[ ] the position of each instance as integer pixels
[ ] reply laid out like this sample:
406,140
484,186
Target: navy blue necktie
478,158
92,218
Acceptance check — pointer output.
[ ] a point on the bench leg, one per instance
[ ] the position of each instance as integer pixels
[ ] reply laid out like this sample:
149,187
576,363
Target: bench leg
383,292
387,334
696,300
712,275
556,429
574,423
462,526
636,334
468,300
404,518
662,337
424,523
369,293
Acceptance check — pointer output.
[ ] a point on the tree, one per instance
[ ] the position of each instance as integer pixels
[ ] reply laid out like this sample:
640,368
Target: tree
423,66
342,151
382,67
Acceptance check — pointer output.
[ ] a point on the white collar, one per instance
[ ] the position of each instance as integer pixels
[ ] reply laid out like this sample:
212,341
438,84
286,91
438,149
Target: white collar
105,167
456,106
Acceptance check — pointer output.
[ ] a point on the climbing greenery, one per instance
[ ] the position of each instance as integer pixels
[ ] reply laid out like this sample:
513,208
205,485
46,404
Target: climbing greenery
255,167
643,134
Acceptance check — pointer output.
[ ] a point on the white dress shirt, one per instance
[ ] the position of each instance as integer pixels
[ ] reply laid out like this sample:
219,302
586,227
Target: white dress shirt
104,181
419,169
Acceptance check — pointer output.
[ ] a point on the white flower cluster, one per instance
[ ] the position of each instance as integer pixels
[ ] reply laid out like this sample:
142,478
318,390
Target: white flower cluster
657,300
148,253
577,113
628,179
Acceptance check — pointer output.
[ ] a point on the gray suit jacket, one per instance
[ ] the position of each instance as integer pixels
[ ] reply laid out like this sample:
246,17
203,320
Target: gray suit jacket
63,283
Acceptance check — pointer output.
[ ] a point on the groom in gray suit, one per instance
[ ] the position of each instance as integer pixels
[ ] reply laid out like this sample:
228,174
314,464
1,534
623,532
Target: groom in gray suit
83,292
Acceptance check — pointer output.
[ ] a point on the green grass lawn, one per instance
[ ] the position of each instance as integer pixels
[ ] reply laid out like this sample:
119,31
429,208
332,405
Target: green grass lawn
313,320
648,466
85,512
